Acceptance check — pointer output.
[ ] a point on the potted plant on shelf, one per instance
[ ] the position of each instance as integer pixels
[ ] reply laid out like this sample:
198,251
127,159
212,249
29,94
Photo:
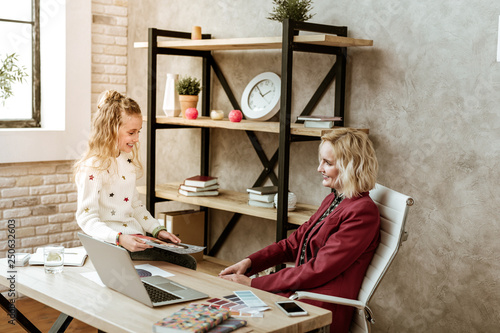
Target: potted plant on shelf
297,10
188,89
10,72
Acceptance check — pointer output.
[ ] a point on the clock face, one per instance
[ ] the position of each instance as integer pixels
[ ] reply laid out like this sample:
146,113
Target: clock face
261,97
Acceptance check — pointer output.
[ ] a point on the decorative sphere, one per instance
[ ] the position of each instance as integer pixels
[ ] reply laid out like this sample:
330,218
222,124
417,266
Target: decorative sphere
235,116
217,114
292,201
191,113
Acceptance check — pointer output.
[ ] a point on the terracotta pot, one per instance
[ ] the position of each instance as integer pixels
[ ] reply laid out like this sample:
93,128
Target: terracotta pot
187,101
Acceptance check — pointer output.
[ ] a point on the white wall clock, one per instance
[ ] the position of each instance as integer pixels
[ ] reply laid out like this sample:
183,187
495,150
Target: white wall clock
261,97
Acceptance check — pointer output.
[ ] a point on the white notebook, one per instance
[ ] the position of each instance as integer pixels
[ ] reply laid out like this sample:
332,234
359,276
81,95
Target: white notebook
72,257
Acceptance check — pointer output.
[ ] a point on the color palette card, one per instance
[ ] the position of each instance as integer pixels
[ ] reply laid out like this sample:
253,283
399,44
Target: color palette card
242,305
236,306
250,299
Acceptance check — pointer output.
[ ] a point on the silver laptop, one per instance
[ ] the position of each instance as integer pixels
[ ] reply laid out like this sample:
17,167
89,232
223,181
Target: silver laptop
117,271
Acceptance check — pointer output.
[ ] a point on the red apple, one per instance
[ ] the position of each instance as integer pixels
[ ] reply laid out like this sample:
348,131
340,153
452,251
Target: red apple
235,116
191,113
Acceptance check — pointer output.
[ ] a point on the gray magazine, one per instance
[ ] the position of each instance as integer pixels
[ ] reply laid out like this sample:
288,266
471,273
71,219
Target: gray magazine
180,248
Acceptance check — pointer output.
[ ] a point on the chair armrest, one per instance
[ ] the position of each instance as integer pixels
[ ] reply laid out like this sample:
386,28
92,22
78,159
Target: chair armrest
327,298
336,300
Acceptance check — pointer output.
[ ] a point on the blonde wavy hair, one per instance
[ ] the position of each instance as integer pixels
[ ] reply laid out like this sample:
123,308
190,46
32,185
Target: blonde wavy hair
355,160
112,107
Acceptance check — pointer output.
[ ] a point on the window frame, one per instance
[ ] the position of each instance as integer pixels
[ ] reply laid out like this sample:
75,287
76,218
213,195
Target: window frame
35,120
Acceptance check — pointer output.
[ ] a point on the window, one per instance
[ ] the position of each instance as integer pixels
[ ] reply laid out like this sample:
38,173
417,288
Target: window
20,50
65,52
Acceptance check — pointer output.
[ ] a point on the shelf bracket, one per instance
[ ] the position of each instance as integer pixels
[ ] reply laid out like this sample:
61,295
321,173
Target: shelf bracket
267,164
223,236
324,85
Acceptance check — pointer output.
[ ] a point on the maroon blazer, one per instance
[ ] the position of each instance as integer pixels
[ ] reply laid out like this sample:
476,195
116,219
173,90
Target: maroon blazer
340,249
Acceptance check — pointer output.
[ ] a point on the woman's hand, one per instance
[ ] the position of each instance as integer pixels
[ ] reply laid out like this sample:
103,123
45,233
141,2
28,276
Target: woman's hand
133,243
239,278
167,236
238,268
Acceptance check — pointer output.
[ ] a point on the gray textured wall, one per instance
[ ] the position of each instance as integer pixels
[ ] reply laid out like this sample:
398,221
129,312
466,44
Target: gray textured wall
429,92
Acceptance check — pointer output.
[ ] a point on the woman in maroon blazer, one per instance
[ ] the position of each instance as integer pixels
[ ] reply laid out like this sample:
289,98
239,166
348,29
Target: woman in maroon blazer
333,249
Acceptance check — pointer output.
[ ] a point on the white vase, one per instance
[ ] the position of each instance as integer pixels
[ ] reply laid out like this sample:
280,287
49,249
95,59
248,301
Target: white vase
171,105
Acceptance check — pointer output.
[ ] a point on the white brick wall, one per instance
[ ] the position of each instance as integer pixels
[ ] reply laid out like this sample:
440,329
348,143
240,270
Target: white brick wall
41,196
29,196
109,46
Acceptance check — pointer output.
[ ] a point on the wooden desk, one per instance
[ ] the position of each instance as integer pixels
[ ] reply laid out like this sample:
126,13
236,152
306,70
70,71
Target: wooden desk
110,311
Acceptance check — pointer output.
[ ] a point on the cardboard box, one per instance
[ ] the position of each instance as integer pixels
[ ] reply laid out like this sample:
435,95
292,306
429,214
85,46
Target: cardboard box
189,226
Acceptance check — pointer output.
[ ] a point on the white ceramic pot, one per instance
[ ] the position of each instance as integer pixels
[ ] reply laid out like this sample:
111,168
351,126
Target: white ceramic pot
292,201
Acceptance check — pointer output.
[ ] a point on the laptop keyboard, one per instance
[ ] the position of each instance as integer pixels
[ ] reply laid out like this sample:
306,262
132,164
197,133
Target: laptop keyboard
159,295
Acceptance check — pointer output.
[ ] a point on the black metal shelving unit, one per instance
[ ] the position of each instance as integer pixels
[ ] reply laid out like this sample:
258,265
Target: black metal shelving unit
282,155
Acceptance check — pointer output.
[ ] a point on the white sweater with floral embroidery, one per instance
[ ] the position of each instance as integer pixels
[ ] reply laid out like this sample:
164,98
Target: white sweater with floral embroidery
108,202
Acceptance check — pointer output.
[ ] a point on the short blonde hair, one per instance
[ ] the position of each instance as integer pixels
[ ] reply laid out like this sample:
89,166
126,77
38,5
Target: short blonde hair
355,160
103,142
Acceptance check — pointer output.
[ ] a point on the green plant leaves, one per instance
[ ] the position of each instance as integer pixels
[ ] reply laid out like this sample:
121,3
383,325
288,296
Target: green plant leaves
297,10
10,72
188,86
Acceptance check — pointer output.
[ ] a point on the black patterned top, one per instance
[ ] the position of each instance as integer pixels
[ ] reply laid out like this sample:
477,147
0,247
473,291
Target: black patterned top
338,199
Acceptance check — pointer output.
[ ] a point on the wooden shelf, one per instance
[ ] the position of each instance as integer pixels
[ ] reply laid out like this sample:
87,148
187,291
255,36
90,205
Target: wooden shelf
244,125
256,43
232,201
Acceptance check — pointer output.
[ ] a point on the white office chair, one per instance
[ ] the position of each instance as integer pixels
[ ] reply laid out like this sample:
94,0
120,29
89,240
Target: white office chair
393,208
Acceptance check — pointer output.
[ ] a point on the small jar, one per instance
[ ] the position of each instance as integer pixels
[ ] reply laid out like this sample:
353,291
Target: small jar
217,114
292,201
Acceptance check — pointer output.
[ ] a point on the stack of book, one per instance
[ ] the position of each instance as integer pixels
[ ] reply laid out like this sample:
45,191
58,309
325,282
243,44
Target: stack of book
262,196
198,186
319,121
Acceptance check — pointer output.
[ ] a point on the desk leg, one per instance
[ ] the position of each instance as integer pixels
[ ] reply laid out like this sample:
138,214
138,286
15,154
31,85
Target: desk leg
61,323
18,316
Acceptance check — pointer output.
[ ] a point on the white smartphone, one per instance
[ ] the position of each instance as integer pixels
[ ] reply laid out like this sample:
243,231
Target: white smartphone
292,309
